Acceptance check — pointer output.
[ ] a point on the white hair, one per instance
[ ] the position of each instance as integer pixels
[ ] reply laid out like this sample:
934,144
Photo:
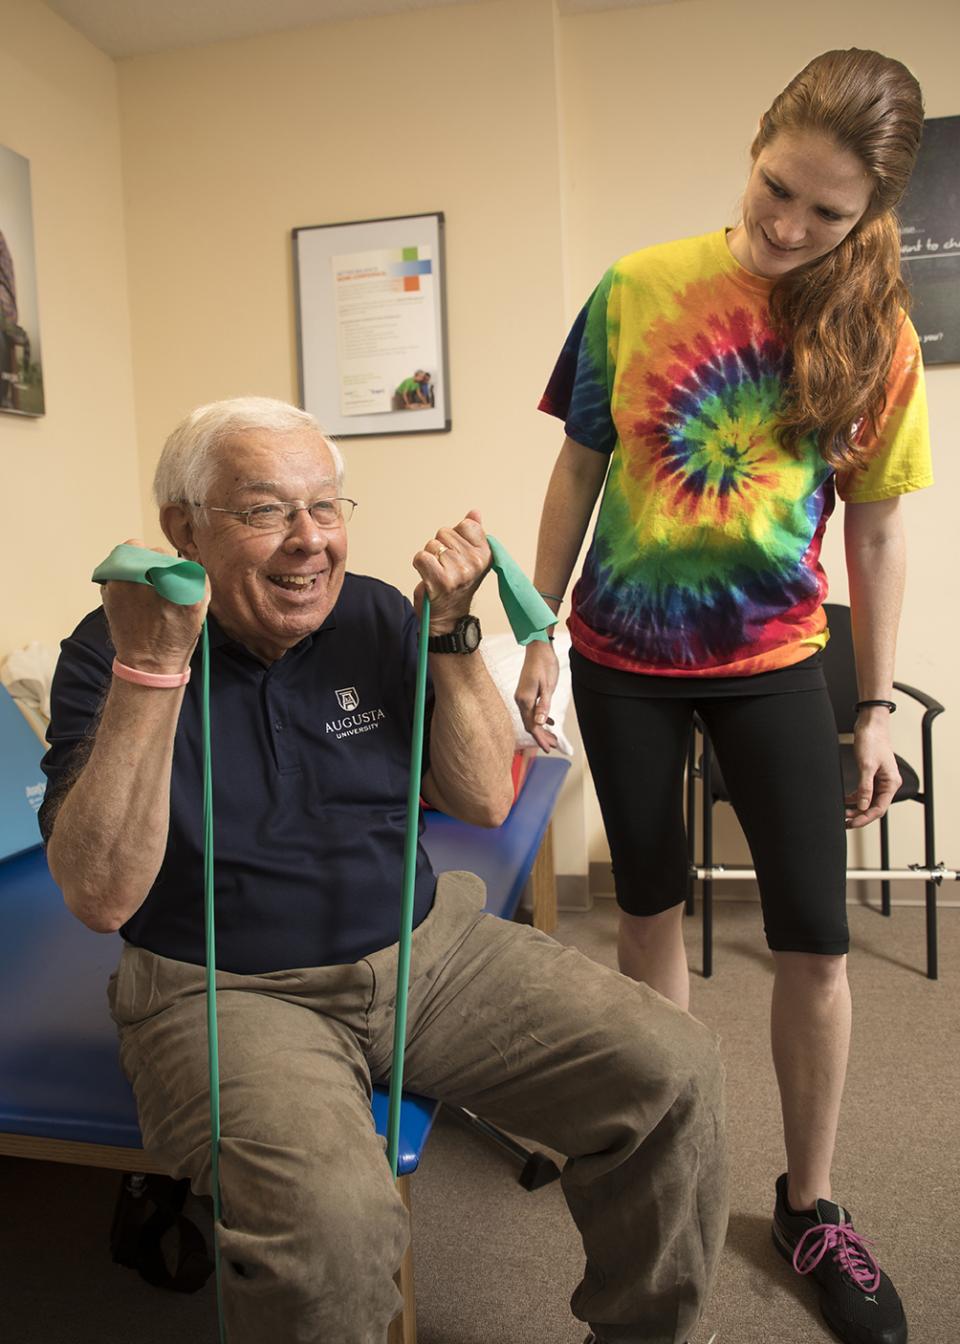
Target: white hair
188,459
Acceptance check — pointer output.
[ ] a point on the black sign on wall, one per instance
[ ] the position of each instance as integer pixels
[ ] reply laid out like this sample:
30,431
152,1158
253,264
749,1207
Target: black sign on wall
930,241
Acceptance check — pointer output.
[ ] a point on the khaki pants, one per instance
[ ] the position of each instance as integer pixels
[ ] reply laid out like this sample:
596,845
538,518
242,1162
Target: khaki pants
532,1035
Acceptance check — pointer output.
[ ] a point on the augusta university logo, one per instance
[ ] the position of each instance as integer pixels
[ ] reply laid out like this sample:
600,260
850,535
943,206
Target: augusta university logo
353,723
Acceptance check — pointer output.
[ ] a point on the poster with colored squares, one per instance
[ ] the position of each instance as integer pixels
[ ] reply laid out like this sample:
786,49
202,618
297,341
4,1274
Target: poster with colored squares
386,340
371,325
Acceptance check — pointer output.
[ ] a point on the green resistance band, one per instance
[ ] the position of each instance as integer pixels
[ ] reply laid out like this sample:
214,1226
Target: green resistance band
183,582
525,609
529,617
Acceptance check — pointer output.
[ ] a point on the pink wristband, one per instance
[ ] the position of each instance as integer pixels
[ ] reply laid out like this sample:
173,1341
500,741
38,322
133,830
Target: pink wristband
160,680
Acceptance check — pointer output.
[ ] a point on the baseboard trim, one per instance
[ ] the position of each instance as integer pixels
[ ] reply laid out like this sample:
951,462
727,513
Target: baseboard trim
573,892
600,877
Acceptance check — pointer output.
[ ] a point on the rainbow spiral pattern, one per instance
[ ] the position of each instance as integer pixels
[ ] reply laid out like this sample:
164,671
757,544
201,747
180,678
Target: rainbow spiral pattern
705,558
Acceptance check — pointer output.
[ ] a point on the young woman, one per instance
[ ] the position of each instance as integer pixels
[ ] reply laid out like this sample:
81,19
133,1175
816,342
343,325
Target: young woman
726,388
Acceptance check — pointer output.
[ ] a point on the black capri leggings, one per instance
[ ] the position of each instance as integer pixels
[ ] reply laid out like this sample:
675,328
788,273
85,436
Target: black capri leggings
780,759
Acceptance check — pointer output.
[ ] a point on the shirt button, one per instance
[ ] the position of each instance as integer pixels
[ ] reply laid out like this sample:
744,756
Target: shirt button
278,725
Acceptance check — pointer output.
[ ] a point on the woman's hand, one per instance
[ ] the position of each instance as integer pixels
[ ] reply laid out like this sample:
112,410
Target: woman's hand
879,777
534,694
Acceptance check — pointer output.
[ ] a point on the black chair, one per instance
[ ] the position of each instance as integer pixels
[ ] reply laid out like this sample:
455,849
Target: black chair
841,677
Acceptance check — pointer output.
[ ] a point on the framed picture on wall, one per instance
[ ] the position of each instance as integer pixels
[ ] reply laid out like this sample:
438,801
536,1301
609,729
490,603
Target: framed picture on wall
371,325
930,241
21,374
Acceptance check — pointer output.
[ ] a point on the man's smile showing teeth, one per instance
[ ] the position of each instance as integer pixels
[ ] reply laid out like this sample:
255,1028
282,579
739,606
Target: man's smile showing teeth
293,582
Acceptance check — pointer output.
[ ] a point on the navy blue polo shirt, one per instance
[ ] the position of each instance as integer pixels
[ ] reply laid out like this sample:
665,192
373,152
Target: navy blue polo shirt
310,770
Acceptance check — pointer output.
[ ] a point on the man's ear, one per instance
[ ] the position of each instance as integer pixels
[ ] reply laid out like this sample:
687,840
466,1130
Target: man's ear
178,523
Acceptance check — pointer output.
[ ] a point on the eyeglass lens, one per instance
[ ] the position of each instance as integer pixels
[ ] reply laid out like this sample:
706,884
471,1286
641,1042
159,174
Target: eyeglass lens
324,512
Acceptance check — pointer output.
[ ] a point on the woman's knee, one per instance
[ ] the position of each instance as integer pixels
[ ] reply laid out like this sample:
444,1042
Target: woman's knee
815,971
649,932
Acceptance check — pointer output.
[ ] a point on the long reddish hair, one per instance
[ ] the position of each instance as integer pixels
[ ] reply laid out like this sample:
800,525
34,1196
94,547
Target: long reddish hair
841,314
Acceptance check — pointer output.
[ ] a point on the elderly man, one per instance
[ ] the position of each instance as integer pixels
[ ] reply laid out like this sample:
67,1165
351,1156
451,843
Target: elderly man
312,673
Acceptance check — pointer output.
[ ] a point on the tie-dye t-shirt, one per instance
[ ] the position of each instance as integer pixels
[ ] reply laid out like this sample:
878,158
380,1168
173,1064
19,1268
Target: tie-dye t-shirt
705,560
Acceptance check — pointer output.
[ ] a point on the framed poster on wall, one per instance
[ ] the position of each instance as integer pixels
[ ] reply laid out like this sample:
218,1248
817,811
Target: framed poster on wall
371,325
930,241
21,374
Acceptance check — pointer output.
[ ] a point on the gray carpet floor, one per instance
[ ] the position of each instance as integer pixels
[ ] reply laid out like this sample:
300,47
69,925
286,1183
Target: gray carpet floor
495,1264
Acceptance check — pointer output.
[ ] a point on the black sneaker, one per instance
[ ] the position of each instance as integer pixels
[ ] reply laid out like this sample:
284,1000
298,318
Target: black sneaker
858,1301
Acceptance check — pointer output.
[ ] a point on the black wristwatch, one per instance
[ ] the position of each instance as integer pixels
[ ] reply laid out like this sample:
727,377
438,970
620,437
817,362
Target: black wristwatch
463,638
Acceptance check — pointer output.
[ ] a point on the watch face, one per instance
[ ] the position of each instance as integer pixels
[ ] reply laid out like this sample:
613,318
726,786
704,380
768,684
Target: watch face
470,633
463,638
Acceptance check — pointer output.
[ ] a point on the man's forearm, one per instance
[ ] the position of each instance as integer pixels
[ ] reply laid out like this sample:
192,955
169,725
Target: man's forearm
110,832
471,742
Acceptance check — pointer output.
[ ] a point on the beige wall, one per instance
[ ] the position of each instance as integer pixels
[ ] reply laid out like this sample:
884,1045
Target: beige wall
228,147
660,105
69,476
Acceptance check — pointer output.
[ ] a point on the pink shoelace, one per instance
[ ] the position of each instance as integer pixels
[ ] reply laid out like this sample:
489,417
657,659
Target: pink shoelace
850,1251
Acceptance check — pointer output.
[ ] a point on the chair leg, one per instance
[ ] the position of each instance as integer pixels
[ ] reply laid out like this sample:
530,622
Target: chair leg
691,820
932,968
929,854
706,784
536,1168
403,1328
884,864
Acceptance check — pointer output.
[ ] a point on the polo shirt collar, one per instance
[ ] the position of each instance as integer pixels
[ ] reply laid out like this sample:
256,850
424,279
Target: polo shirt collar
220,639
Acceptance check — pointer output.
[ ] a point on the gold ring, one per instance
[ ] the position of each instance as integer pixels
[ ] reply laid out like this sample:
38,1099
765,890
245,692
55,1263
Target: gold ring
441,550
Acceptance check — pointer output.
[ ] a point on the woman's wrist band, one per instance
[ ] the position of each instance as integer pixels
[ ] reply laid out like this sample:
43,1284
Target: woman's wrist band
159,680
551,597
871,704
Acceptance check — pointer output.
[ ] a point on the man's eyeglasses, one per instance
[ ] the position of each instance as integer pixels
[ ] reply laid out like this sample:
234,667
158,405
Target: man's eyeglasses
279,516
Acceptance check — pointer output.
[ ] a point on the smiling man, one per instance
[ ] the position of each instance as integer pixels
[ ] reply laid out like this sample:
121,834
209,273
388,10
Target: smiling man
312,674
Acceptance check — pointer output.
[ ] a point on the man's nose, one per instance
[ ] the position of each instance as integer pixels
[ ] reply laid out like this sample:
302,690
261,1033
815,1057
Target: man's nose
303,534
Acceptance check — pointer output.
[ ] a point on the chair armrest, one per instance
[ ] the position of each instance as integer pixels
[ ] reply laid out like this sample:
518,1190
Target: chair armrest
931,709
927,701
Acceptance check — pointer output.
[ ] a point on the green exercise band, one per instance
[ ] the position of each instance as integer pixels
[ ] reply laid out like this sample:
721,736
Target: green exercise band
179,581
213,1045
525,609
183,582
406,907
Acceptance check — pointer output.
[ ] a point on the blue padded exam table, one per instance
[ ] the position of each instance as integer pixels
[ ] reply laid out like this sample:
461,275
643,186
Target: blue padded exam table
60,1077
62,1094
